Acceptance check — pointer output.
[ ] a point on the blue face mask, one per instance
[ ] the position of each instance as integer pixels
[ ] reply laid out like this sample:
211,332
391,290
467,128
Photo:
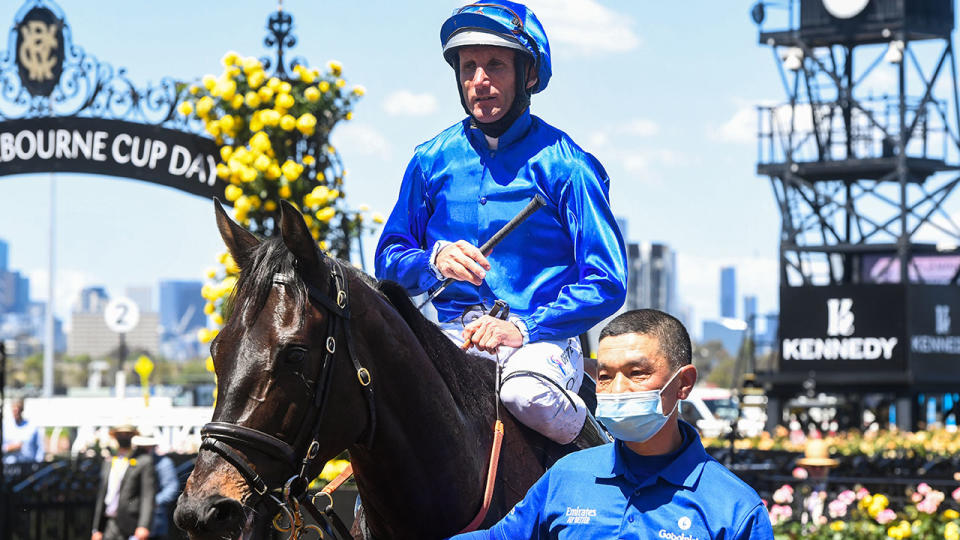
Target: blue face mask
634,416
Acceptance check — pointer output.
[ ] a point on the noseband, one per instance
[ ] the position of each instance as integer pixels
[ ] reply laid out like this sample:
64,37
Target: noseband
223,437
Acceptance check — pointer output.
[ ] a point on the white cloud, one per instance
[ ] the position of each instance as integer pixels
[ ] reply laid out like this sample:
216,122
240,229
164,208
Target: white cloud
406,103
358,139
641,127
740,128
587,25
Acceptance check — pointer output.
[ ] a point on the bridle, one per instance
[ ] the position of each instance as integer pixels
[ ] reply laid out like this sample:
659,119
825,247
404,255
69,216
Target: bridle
223,437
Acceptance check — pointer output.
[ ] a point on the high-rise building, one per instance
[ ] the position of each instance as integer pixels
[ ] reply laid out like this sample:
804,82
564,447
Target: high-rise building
14,292
142,296
728,292
652,276
750,309
4,255
181,307
92,300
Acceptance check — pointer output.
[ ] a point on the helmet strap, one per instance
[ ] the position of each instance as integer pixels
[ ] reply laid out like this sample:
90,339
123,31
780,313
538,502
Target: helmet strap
521,98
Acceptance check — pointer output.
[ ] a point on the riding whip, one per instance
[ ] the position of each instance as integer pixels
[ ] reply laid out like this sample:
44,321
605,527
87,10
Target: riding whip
487,247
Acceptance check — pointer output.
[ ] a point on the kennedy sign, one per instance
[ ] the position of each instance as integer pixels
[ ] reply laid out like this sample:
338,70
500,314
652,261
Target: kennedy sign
111,147
842,327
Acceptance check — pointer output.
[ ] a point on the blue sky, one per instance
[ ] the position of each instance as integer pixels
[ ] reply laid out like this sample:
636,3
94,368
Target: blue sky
661,92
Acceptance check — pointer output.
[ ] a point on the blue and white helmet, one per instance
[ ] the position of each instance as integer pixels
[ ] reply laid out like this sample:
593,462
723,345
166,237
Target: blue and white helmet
499,23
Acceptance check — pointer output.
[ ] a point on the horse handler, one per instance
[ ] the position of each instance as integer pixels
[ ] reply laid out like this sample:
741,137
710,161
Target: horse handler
561,272
655,480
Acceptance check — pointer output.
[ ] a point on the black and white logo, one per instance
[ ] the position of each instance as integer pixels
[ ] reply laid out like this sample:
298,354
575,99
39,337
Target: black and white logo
840,317
942,319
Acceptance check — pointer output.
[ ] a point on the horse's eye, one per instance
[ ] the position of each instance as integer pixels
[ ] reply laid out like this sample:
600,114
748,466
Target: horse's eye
294,355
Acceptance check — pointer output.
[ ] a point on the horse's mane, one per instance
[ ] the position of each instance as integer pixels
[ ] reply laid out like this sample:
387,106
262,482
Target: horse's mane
469,377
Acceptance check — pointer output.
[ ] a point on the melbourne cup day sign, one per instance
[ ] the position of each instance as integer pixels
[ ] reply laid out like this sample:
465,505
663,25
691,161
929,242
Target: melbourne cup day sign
62,110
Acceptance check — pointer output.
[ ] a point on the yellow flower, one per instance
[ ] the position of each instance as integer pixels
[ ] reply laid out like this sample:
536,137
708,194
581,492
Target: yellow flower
308,160
324,86
260,141
204,335
307,76
335,67
284,191
308,220
248,175
242,204
287,122
269,206
359,90
250,64
262,163
837,526
312,94
291,170
209,81
255,123
273,171
185,108
377,217
348,116
208,363
273,83
227,89
232,72
133,462
227,123
307,123
265,93
237,101
284,100
255,79
230,58
223,171
194,89
270,117
204,105
252,99
226,152
213,128
340,83
217,319
211,272
364,207
209,307
326,214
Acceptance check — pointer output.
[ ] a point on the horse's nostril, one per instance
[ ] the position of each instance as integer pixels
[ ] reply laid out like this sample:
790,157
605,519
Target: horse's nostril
206,516
225,513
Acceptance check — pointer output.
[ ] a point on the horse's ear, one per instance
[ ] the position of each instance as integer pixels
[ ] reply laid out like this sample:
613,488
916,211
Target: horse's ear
296,235
239,241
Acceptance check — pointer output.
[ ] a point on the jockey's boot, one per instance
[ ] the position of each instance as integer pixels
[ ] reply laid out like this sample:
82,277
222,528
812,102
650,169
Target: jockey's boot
591,434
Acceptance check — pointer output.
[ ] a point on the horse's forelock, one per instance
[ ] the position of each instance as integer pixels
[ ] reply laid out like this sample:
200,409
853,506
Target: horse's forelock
270,259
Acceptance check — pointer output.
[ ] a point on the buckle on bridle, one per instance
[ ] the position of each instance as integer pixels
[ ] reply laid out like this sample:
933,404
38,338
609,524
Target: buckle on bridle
342,298
331,345
364,377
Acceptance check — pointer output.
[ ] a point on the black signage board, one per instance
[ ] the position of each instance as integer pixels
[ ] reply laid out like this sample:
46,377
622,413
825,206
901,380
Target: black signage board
848,328
40,51
934,334
111,147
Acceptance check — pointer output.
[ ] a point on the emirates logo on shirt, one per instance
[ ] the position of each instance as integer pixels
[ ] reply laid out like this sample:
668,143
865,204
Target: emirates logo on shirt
580,516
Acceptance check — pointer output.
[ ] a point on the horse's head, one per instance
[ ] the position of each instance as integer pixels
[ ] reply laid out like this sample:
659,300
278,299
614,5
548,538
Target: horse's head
281,358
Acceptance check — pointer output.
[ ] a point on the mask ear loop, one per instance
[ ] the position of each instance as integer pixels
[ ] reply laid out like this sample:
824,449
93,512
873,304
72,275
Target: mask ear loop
676,402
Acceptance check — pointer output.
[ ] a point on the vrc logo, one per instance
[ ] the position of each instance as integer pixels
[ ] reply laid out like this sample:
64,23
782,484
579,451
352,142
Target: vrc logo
942,320
684,523
840,316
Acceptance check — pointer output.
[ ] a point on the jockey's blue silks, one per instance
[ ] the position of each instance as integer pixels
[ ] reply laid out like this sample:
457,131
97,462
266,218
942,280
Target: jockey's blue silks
561,271
634,416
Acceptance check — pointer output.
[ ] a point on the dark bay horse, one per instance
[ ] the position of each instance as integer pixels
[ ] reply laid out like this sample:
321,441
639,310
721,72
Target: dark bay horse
316,355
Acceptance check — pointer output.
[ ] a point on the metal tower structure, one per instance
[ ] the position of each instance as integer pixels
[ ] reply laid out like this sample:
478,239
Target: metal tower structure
862,158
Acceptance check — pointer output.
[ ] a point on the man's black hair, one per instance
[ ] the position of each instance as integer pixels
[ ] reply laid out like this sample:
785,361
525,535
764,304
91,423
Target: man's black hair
670,333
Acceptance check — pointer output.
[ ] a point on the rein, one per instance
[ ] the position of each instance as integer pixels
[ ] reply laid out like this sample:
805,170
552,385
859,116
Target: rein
222,438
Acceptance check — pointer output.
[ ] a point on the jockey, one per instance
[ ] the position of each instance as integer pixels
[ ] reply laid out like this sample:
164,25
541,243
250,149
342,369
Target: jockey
561,272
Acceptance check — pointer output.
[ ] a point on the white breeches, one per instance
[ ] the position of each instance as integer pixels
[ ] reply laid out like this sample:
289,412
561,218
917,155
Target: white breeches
540,405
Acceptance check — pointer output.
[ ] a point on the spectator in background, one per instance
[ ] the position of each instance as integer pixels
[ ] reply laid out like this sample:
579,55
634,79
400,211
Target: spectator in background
168,485
125,500
22,441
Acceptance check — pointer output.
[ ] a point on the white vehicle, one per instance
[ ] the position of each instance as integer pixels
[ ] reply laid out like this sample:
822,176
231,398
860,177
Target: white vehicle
714,410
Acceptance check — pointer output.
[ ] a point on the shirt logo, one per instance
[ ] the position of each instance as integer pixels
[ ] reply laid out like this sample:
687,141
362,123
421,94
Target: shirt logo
674,536
580,516
684,523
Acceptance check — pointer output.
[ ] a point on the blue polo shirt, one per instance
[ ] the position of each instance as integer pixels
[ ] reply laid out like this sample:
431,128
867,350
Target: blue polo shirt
608,492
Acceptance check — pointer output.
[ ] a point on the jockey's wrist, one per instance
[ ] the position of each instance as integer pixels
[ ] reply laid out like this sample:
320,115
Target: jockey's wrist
522,327
437,247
